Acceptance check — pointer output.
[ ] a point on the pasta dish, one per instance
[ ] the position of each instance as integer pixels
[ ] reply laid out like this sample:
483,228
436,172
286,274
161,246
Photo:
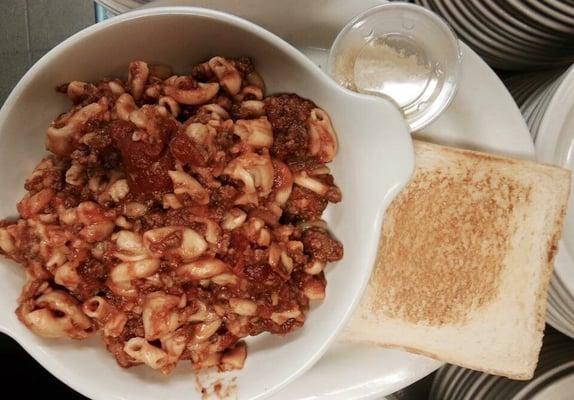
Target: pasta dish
177,215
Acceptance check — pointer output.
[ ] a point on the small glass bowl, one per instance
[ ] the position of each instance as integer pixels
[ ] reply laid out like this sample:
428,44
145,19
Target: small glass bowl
403,52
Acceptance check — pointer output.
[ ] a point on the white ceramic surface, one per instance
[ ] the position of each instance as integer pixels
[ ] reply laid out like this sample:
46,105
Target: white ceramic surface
555,144
503,23
540,19
526,88
553,378
547,104
483,116
374,162
559,390
558,11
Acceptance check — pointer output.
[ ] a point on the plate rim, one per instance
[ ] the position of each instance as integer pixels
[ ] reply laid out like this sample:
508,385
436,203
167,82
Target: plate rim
399,180
529,152
498,83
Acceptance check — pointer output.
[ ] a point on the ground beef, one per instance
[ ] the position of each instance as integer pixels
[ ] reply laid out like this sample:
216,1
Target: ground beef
288,114
145,164
115,346
304,204
244,65
223,197
50,178
187,152
321,246
287,110
263,259
94,274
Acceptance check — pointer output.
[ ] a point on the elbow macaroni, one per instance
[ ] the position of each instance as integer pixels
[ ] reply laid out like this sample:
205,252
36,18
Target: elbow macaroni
177,215
55,314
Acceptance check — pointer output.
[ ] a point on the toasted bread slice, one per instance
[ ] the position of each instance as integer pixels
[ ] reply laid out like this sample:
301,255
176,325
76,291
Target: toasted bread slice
465,259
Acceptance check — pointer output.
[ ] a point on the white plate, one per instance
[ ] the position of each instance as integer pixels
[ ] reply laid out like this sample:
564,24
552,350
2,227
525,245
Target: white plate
463,384
496,21
550,383
560,304
553,375
511,17
540,19
519,38
530,82
540,110
469,24
549,112
563,6
494,39
376,138
525,93
480,381
494,47
473,21
551,11
483,116
534,107
440,382
562,389
357,371
564,301
494,57
457,374
536,98
522,86
555,144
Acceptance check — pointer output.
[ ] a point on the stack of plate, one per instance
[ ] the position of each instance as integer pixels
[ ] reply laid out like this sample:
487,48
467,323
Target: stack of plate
553,379
510,34
513,34
533,92
546,100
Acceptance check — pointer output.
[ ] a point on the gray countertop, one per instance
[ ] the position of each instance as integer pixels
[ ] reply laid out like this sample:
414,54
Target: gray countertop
29,28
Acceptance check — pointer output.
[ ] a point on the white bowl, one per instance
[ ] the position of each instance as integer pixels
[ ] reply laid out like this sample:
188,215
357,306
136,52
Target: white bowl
374,162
